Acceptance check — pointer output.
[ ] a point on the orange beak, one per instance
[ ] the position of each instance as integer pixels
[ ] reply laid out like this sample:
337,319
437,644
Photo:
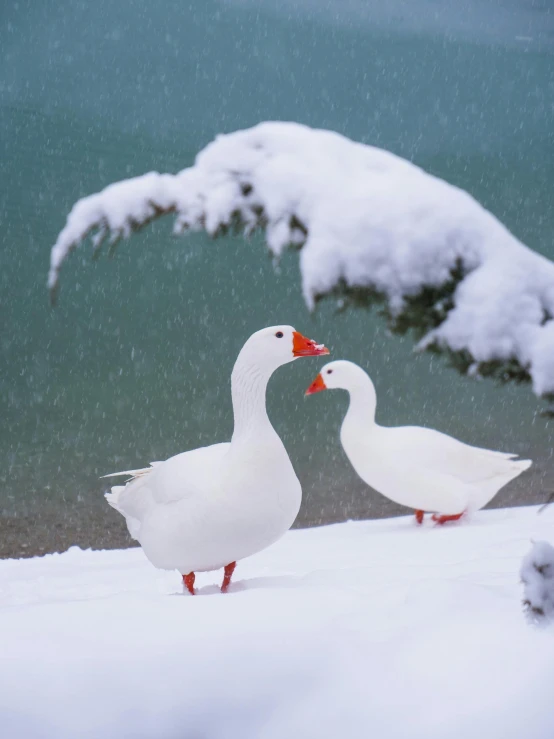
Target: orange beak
317,386
303,347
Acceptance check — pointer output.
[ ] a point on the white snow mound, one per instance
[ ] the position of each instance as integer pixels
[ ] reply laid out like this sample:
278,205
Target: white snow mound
368,629
363,217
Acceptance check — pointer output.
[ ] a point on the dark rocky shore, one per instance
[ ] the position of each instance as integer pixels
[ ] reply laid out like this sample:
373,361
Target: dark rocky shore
55,528
31,534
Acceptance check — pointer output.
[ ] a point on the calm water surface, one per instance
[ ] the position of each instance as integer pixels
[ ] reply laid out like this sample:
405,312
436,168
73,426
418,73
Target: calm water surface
134,365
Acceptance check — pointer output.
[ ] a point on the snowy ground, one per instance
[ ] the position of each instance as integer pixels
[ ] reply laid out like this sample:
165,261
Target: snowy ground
369,629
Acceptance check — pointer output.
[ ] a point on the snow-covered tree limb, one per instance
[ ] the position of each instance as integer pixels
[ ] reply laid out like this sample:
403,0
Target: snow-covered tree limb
370,227
537,575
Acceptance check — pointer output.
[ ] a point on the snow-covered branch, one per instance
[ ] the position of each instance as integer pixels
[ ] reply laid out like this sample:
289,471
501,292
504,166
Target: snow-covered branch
371,227
537,575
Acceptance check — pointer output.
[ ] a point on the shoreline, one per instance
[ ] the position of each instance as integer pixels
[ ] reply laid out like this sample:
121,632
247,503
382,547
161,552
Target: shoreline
98,526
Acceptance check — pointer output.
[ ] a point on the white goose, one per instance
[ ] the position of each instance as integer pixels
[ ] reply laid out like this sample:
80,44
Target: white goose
413,466
207,508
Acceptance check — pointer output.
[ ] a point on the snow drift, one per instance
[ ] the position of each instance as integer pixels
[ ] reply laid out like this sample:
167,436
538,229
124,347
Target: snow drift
370,227
370,629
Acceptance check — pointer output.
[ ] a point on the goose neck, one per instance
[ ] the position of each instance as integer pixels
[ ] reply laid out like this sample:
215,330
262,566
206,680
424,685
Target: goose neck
363,402
248,389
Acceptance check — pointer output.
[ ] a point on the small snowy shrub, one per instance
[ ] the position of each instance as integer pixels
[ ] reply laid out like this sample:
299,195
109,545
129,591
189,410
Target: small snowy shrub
537,575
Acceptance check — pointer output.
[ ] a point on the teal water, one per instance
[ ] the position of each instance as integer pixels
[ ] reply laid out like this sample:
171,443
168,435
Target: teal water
134,364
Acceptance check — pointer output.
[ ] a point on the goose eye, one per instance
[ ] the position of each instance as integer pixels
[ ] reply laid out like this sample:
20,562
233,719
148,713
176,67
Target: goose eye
329,372
279,334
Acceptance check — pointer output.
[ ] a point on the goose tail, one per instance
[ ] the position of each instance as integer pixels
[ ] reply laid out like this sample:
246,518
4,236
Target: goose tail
133,474
113,497
511,469
133,506
523,464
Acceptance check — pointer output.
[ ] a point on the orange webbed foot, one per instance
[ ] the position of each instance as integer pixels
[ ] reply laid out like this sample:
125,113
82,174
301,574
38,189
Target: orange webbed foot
437,518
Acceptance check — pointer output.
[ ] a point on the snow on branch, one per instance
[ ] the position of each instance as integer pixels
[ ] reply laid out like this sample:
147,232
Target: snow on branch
537,575
370,226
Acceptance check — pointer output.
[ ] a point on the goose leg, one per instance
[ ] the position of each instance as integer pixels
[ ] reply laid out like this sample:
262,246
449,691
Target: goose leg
188,581
229,569
443,519
419,516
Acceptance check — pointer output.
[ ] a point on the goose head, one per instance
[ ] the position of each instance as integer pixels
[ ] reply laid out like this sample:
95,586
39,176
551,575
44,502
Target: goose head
277,345
339,374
